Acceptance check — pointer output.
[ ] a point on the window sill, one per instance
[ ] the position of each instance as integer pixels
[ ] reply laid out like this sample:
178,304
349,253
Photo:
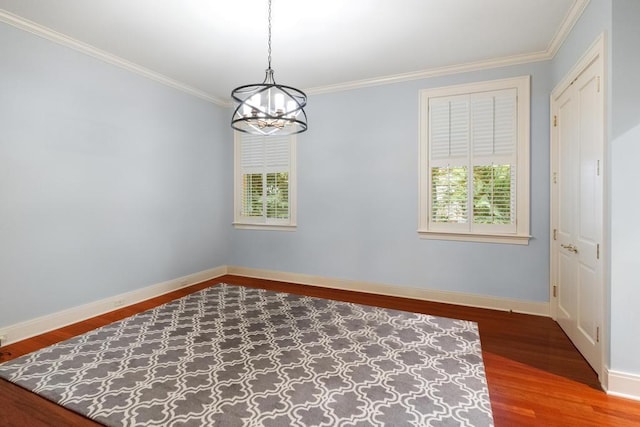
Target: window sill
510,239
270,227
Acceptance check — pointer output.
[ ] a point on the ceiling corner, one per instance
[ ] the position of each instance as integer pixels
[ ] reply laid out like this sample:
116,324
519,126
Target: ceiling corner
565,28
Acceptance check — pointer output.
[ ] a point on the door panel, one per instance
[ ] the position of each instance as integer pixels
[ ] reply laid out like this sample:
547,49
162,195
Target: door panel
567,291
587,300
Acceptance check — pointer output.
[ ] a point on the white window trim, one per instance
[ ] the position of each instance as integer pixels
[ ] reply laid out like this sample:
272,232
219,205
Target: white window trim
247,223
521,236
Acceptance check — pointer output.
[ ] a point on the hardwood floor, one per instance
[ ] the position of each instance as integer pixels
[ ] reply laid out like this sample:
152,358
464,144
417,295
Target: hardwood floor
535,375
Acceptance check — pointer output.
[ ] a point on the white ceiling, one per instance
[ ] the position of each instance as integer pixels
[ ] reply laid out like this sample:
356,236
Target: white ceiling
208,47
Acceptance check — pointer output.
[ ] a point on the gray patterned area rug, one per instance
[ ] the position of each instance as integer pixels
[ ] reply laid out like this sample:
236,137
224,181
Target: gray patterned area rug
236,356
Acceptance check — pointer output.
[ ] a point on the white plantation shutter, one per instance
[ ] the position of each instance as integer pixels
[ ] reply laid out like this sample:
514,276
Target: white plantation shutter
474,161
459,128
450,200
449,129
506,123
494,195
276,153
493,123
448,158
263,172
251,171
472,153
264,153
439,120
494,158
482,129
252,152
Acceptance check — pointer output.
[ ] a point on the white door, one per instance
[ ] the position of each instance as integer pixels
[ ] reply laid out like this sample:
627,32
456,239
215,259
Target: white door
577,209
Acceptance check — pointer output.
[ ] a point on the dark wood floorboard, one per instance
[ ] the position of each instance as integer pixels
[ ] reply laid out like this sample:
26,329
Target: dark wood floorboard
535,375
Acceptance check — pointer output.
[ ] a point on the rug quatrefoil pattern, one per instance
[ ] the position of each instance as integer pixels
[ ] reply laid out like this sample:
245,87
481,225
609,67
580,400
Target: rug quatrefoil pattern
237,356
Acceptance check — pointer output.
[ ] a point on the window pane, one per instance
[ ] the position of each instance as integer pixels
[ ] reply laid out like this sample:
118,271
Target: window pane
278,195
449,194
252,194
493,194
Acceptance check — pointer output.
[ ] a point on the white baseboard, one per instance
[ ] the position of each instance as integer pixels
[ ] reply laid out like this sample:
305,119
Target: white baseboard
472,300
616,383
40,325
622,384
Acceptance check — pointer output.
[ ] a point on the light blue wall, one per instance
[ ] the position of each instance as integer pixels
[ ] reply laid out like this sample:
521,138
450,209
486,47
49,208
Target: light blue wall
625,176
358,199
109,182
625,74
625,235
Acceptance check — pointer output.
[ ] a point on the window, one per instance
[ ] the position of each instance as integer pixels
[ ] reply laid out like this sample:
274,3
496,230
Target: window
474,162
264,182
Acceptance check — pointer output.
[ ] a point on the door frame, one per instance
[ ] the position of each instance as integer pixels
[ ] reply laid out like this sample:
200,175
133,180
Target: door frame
597,49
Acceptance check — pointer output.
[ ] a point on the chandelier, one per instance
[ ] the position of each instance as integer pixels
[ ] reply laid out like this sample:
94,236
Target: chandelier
269,108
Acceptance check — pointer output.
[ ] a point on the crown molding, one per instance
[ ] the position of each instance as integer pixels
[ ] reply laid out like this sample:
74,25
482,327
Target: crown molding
567,24
432,72
59,38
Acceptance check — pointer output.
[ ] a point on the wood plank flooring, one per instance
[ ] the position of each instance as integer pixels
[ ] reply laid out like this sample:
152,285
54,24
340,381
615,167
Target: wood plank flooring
535,375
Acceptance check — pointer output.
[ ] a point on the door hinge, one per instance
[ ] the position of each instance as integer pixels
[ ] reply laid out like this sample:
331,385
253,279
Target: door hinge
598,251
598,84
555,121
598,334
555,177
555,234
555,291
598,168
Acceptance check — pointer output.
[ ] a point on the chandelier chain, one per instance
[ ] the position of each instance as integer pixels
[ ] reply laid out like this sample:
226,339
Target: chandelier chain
269,58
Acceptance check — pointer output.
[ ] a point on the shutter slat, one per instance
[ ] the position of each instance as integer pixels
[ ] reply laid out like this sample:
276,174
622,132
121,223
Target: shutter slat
459,145
439,130
494,194
482,126
277,151
449,195
493,123
252,149
261,151
505,120
449,128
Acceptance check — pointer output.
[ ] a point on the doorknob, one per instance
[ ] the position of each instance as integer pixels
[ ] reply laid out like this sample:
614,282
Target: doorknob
570,248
